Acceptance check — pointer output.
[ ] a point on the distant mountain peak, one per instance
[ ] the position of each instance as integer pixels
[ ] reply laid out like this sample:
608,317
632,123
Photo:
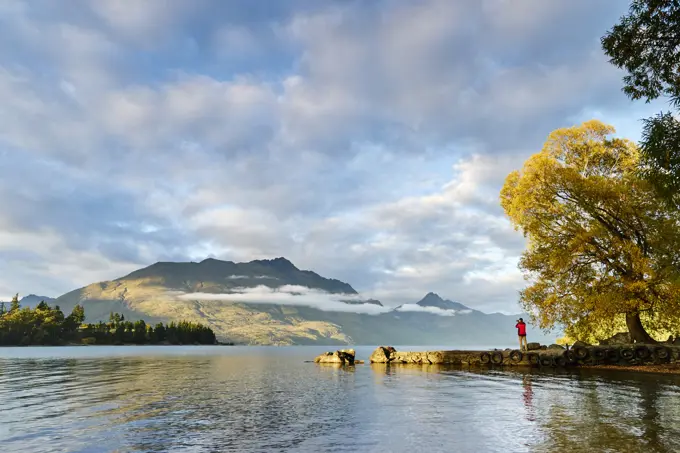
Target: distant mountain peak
435,300
36,297
278,263
431,300
33,300
433,296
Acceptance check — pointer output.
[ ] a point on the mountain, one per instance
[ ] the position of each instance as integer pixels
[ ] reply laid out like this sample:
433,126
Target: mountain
434,300
212,274
32,301
273,302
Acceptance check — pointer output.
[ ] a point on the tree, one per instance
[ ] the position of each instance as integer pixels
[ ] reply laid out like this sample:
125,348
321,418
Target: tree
14,305
75,319
159,333
78,315
139,336
601,244
58,314
646,44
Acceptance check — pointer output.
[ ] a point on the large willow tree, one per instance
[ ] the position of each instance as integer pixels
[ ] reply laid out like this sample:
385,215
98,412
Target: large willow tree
602,246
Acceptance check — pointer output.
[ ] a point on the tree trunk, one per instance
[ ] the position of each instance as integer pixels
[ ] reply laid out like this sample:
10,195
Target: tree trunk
637,330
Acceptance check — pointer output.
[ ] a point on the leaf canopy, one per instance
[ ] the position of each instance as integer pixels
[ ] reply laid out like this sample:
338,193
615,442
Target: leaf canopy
601,243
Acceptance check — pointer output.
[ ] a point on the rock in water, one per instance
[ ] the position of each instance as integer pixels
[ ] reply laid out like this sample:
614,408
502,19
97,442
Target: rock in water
383,354
435,356
409,357
342,357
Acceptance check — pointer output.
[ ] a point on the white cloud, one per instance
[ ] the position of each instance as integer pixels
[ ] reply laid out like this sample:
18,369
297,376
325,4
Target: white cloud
291,295
326,134
432,310
140,21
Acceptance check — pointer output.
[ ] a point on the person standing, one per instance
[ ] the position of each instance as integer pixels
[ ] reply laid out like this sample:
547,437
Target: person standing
522,334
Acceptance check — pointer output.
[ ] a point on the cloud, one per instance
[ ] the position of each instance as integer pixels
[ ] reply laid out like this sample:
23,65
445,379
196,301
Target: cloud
364,141
433,310
291,295
302,296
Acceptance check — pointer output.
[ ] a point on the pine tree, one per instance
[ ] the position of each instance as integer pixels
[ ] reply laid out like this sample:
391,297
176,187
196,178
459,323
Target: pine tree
78,314
14,305
139,336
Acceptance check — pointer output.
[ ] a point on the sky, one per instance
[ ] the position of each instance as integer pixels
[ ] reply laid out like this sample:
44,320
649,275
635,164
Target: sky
364,140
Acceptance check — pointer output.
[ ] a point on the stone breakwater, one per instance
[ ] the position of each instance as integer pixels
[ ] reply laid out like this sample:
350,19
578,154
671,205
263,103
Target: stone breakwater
553,356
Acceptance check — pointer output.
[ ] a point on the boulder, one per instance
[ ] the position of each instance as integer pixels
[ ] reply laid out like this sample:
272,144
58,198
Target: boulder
533,346
387,354
617,339
435,357
408,357
579,344
382,354
342,357
555,346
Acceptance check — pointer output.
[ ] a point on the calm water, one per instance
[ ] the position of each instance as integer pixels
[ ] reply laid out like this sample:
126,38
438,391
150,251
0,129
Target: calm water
214,399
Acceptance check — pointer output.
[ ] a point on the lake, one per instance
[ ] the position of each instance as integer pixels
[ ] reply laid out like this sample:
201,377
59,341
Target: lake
260,399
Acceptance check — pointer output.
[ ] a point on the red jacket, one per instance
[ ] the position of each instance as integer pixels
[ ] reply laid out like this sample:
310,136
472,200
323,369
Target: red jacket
521,328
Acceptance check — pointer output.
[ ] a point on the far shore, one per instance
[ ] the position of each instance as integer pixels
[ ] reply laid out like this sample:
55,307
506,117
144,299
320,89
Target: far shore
109,344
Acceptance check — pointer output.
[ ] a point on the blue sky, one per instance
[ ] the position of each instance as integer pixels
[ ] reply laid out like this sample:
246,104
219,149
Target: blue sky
366,140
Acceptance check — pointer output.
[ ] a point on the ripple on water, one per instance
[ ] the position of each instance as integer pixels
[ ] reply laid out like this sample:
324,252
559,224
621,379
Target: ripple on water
252,400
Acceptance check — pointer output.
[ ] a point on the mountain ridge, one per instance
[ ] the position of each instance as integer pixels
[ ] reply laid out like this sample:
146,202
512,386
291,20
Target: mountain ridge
278,268
280,317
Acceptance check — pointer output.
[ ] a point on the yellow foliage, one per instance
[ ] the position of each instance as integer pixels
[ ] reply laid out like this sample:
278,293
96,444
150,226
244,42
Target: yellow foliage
600,243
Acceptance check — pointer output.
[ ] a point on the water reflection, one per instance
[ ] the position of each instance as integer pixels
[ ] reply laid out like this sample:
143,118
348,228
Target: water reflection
528,396
270,401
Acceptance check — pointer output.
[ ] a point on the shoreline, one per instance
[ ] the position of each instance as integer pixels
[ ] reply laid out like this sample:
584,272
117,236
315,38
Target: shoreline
665,368
69,345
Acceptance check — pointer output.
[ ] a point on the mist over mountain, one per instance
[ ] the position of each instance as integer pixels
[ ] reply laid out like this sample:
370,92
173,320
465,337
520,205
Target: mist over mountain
272,302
